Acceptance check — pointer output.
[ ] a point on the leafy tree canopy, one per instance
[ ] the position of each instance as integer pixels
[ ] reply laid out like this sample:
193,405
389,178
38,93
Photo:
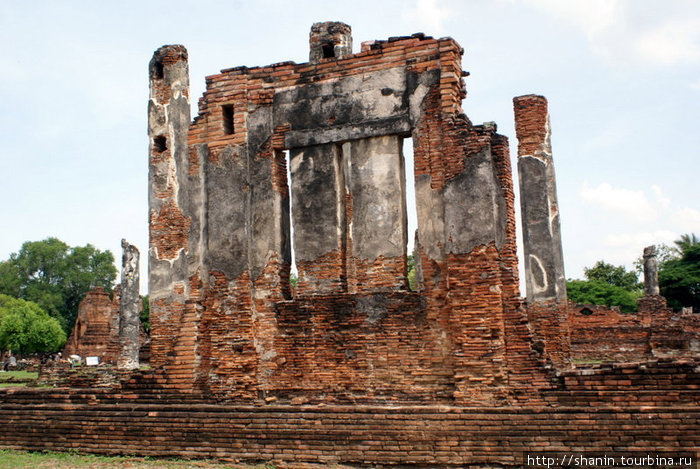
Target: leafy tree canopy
616,276
56,276
601,293
679,279
26,328
686,242
606,284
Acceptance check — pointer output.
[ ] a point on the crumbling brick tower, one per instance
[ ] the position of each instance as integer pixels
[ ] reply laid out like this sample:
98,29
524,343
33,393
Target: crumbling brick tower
224,318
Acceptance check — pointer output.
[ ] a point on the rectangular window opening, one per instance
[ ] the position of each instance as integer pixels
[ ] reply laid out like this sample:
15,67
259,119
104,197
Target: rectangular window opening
227,115
328,50
158,72
160,143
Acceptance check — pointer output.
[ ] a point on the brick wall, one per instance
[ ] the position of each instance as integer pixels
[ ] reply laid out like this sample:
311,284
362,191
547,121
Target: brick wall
603,334
96,329
225,322
355,436
600,333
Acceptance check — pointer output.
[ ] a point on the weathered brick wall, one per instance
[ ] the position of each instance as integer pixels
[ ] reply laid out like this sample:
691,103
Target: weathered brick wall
600,333
223,318
381,436
359,348
651,383
96,329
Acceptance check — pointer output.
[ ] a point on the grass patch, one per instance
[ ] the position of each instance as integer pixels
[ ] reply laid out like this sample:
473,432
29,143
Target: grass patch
13,459
18,376
586,362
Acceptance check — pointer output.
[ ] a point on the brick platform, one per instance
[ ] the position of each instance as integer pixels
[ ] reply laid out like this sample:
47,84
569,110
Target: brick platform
410,436
643,406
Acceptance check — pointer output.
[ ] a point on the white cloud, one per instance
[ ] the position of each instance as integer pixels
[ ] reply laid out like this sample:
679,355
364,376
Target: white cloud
621,211
623,248
688,220
426,15
638,241
662,201
624,31
632,204
677,40
593,17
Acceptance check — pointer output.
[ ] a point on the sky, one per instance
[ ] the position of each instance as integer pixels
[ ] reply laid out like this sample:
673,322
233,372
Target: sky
622,78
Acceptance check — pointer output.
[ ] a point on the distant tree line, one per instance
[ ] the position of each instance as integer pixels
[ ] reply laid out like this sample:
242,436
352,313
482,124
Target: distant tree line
679,279
41,287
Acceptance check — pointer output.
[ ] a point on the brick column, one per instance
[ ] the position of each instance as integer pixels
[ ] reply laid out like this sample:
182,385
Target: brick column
169,227
544,263
328,40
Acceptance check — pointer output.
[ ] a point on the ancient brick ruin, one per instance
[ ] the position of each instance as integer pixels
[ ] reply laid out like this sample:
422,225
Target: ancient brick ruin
225,320
107,326
96,329
350,365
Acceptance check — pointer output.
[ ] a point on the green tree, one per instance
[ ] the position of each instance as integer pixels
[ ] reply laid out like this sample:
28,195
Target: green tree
606,284
679,279
616,276
601,293
686,241
56,276
26,328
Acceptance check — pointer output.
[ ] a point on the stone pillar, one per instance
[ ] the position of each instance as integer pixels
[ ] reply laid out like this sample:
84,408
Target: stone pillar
129,308
318,217
545,283
329,40
376,214
169,226
544,262
651,275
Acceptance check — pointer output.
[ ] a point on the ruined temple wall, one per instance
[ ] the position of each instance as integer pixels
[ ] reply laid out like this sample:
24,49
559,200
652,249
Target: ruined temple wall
525,363
229,322
171,230
672,334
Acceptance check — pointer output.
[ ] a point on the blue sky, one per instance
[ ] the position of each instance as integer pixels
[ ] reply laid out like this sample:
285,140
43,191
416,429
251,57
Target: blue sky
622,78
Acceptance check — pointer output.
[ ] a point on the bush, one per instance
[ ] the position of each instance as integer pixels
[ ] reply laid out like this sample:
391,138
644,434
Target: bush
26,328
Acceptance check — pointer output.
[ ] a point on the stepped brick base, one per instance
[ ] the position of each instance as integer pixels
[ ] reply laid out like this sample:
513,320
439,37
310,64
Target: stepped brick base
651,406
